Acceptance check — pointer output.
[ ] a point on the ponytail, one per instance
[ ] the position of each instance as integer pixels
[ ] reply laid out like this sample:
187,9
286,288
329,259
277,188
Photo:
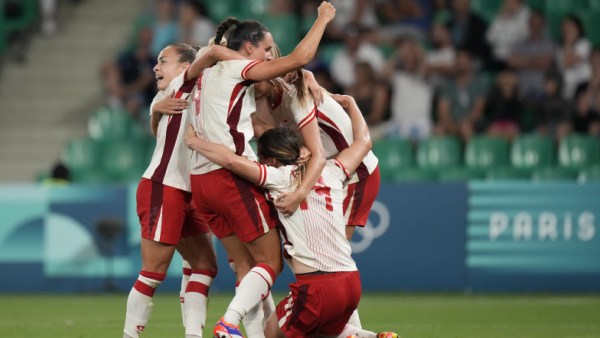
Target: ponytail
224,27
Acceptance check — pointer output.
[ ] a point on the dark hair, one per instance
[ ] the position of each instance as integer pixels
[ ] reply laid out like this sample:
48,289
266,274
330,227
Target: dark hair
60,171
245,31
186,52
280,143
575,20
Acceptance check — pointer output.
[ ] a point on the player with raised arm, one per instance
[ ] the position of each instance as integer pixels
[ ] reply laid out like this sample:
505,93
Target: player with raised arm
328,289
222,107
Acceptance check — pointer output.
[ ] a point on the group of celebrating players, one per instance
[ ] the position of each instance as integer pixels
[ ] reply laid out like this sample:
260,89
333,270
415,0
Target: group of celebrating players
313,181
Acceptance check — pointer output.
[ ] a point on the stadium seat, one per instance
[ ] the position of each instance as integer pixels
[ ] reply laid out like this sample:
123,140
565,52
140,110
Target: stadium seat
111,124
565,6
539,5
579,151
393,155
438,153
254,9
123,160
483,152
486,8
221,9
590,19
590,174
507,173
27,19
532,151
285,31
460,174
81,154
554,174
413,175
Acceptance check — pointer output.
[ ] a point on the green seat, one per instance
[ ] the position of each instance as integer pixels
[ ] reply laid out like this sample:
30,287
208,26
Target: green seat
460,174
28,18
124,160
219,10
81,154
91,176
486,8
590,174
483,152
414,175
285,31
565,6
539,5
254,9
532,151
554,174
437,153
579,151
507,173
590,20
393,155
112,124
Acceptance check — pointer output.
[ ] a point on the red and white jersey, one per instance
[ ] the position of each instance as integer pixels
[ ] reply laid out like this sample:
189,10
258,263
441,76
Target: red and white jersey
170,164
335,126
315,234
221,107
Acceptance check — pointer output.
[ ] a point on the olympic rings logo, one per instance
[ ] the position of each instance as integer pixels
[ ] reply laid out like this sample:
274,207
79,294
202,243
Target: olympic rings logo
370,232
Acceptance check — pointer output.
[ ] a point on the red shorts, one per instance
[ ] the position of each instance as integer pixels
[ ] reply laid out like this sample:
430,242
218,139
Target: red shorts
166,213
360,197
319,304
232,205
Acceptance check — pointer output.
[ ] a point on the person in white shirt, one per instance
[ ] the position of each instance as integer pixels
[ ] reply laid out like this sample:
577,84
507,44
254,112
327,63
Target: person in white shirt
314,236
509,27
222,106
167,214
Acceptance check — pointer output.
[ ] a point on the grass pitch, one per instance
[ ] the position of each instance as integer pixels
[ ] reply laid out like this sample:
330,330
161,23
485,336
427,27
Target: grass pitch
413,316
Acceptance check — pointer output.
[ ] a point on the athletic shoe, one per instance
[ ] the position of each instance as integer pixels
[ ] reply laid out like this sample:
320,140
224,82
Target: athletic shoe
388,335
225,330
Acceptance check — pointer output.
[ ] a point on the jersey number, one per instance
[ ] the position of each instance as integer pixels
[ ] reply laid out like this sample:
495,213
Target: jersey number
321,190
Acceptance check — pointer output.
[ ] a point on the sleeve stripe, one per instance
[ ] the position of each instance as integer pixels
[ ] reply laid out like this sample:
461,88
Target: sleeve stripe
262,177
248,66
311,116
339,164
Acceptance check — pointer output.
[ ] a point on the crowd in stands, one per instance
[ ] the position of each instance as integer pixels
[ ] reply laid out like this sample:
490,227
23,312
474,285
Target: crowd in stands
417,68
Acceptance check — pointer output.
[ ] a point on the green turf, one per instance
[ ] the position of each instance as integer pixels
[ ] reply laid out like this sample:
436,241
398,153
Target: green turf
413,316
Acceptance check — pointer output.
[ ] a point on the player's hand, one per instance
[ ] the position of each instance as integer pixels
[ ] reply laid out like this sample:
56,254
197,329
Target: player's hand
344,100
170,105
288,203
190,136
305,155
326,11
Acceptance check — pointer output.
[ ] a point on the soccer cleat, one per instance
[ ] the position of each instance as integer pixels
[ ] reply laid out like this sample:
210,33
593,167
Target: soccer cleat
225,330
388,335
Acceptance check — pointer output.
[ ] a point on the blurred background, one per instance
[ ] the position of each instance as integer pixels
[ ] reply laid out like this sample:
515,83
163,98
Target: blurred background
485,116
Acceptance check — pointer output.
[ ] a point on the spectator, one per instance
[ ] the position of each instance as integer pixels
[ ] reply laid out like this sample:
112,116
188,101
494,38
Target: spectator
532,58
129,80
194,27
504,107
59,176
441,57
371,94
323,78
351,13
509,27
587,100
48,17
468,31
462,100
165,28
412,95
573,55
552,111
355,49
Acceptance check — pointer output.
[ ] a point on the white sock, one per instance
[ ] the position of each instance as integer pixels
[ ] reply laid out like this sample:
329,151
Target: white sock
187,272
254,322
268,305
350,330
253,288
139,302
196,298
355,320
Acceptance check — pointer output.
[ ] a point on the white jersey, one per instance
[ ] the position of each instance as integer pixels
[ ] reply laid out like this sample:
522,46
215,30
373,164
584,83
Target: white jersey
170,164
335,126
315,234
221,106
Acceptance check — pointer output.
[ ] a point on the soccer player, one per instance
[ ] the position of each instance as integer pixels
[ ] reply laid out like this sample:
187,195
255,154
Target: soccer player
327,290
168,216
237,210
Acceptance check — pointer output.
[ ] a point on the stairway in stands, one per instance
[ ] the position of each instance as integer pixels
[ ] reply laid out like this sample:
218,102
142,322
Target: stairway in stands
48,100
